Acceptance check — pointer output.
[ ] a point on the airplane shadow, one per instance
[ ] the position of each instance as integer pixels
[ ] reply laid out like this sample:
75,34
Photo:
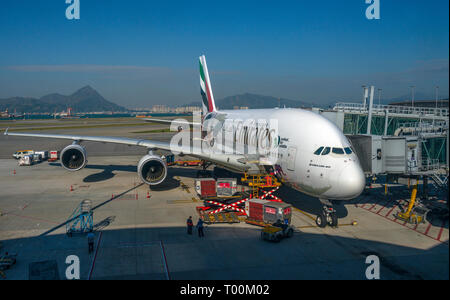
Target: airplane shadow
297,199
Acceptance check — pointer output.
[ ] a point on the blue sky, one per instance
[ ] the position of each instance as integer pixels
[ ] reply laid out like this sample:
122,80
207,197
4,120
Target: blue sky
139,53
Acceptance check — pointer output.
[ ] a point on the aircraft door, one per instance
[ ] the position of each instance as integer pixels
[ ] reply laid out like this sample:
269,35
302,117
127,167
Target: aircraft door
292,155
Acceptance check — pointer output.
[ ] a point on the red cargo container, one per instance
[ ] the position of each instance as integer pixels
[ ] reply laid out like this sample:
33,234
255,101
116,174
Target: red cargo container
206,187
54,156
255,209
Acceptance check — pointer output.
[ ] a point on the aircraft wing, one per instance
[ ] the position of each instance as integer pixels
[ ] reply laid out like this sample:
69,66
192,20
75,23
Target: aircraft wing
101,139
235,162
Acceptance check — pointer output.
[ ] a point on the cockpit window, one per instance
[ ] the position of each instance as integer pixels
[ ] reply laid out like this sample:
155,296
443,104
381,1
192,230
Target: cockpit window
338,151
318,151
326,151
348,150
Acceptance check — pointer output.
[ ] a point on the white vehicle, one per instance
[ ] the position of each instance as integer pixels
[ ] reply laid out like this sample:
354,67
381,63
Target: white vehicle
22,153
26,160
44,154
312,154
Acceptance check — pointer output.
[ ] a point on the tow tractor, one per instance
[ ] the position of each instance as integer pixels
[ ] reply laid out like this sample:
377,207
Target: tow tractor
276,232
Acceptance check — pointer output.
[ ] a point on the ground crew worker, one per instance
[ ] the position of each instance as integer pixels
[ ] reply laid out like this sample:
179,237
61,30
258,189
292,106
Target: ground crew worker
200,228
90,237
190,224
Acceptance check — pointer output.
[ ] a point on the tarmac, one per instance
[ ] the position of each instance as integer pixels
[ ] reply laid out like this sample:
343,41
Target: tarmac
140,231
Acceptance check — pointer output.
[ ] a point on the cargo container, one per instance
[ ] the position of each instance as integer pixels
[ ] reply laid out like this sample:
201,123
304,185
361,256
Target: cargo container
255,209
226,187
274,211
44,154
268,211
205,187
37,158
54,155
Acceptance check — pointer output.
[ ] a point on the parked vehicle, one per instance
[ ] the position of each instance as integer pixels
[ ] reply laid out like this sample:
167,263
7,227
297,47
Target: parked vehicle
37,158
26,160
188,163
44,154
277,232
22,153
170,159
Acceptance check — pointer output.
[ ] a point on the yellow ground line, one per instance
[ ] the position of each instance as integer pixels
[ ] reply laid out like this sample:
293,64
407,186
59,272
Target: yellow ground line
306,214
183,201
315,226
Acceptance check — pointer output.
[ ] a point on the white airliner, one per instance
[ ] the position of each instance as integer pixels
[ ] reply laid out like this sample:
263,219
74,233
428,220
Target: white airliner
312,154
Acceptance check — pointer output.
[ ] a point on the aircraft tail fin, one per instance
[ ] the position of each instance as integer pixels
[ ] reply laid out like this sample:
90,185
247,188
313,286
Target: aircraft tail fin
208,103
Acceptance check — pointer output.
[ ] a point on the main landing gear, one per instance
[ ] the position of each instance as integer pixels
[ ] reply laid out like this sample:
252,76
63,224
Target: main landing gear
328,215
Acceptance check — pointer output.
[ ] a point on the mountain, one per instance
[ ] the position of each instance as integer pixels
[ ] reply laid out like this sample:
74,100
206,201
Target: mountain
85,99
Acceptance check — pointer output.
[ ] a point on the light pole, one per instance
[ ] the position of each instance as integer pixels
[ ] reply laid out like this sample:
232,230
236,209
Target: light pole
437,96
436,108
379,98
412,94
364,95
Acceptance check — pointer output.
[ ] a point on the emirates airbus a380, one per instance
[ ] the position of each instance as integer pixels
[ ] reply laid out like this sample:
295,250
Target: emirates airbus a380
308,152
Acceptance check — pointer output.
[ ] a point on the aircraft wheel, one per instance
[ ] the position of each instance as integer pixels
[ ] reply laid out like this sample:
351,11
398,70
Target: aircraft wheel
321,221
334,220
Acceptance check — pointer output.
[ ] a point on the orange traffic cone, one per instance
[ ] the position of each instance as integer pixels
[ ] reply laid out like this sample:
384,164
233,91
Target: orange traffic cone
148,195
71,188
14,173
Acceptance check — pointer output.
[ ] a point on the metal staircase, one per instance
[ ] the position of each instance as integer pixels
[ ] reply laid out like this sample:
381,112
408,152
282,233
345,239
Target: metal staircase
81,220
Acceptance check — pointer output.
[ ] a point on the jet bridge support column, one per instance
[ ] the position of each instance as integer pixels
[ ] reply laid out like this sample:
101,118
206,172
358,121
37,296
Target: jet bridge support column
425,187
369,119
386,122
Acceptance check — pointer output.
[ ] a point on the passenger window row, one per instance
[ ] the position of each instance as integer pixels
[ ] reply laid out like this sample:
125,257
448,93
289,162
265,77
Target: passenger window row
339,151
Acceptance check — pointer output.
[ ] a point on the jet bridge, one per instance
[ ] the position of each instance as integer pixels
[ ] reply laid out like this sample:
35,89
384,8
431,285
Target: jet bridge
401,155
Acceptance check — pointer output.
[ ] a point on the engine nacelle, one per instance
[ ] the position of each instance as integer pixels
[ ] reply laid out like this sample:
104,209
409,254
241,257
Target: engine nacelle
152,169
73,157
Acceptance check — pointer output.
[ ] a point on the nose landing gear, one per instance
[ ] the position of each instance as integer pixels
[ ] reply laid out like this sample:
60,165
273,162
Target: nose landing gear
328,215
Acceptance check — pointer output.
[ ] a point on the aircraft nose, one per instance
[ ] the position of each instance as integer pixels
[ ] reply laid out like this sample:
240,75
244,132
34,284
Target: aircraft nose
352,182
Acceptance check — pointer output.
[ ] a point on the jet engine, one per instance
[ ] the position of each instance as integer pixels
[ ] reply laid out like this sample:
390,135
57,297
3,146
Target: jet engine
73,157
152,169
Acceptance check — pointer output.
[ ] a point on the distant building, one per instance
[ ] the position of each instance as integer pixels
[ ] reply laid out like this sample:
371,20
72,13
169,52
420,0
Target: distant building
159,108
187,109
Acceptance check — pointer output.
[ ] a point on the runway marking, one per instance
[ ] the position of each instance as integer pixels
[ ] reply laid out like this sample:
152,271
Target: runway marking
95,256
399,204
441,230
384,206
166,267
428,229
